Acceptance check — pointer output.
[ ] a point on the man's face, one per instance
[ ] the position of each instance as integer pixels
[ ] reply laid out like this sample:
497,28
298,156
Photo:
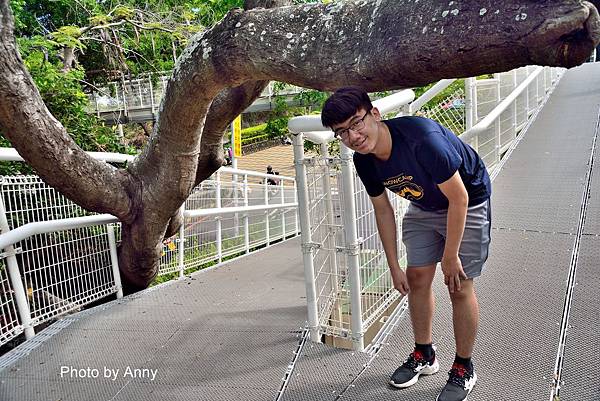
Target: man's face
359,132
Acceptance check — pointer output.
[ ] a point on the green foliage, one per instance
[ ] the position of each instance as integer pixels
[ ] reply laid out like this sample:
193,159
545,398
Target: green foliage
453,87
98,20
68,36
64,97
123,12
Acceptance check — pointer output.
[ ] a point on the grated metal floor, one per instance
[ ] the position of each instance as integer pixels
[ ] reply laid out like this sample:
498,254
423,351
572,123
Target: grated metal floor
230,333
224,334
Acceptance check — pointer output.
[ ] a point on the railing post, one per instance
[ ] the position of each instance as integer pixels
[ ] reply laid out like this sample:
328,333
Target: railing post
266,193
331,232
114,259
498,128
469,118
236,217
152,106
297,214
306,239
474,101
139,82
219,224
515,109
125,108
181,243
282,210
15,277
246,225
352,249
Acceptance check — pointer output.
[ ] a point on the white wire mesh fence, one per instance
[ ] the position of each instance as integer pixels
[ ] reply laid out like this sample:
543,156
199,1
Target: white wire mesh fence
10,326
510,116
64,270
450,112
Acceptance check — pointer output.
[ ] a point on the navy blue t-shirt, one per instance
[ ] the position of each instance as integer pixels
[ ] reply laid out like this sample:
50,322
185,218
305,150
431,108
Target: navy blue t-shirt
424,154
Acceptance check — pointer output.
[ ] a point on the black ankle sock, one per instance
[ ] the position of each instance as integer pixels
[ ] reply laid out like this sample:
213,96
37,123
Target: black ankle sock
426,350
466,362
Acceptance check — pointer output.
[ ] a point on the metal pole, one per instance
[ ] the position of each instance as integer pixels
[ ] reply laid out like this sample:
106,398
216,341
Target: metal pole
15,277
469,103
475,110
236,221
219,224
497,122
181,243
267,231
246,225
114,259
515,109
152,106
352,249
140,92
306,238
297,214
331,233
282,210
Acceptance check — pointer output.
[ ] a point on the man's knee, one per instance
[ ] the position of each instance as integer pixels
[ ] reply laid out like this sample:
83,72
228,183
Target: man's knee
420,278
467,291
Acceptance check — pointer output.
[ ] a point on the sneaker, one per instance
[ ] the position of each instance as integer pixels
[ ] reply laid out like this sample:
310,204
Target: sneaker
459,386
415,366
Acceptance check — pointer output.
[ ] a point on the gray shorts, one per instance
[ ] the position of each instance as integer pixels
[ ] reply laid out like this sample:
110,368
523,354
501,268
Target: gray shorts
424,235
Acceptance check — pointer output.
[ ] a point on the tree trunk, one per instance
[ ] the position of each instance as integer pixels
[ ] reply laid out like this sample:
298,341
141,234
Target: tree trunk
382,44
68,58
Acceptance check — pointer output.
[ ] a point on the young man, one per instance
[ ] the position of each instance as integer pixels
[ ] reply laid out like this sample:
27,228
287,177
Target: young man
448,221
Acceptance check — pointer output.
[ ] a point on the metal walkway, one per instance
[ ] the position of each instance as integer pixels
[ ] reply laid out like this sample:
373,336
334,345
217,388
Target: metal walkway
231,333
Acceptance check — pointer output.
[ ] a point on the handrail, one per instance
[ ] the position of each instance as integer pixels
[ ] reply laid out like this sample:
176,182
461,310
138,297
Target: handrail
238,209
429,94
42,227
11,155
231,170
488,120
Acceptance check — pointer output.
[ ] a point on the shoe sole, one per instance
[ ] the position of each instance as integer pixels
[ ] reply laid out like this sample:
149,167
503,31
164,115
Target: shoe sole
433,369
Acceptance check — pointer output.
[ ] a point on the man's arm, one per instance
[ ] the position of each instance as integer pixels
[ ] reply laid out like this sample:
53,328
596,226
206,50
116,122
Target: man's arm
386,226
458,202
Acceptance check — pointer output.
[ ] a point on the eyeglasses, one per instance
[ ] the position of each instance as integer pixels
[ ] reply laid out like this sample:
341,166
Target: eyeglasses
355,126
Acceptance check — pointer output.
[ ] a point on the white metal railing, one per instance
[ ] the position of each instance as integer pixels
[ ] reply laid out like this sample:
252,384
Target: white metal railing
131,96
57,257
348,285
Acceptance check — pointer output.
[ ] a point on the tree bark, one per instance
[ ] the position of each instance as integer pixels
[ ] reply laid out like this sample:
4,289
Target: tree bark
379,44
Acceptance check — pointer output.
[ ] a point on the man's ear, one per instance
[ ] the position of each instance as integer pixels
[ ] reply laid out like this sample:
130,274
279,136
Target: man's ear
376,113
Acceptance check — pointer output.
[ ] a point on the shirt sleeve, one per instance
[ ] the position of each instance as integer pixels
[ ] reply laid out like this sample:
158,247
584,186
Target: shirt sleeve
438,157
366,172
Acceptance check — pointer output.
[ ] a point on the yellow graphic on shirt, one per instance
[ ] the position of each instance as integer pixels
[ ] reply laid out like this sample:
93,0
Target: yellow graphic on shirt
403,186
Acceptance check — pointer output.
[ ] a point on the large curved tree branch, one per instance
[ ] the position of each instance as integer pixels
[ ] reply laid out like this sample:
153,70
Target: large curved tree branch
44,143
228,104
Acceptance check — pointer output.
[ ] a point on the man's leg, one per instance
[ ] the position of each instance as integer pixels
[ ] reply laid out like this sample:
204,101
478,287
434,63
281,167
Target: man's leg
421,301
465,317
421,304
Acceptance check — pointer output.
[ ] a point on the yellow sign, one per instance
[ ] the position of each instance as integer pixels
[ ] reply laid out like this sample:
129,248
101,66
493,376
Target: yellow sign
237,136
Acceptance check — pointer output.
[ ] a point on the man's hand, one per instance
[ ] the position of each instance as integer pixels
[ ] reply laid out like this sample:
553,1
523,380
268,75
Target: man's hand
399,279
453,272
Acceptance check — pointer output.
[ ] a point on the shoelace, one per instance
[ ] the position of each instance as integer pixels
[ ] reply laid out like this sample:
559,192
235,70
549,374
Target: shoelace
458,375
414,359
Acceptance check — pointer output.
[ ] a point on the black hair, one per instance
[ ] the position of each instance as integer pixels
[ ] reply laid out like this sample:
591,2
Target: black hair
343,104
